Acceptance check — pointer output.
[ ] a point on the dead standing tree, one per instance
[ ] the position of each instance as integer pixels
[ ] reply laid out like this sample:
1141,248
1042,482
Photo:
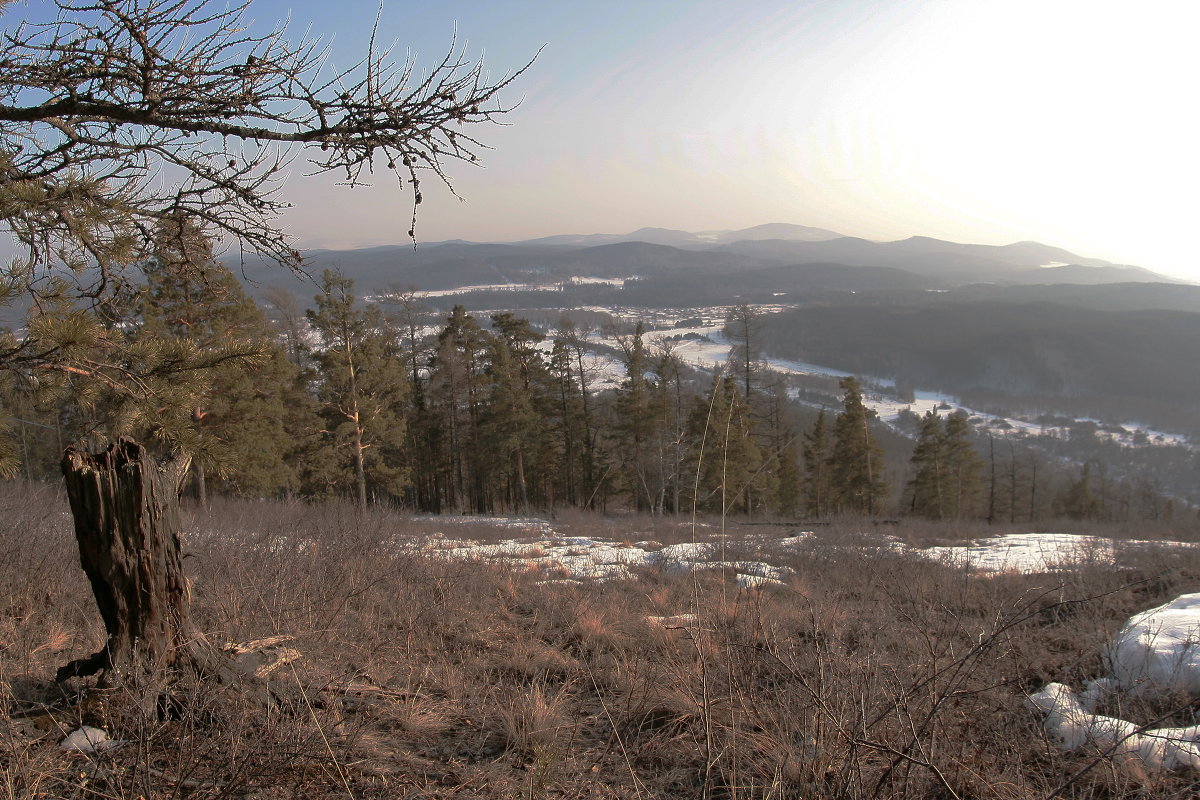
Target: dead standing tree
127,527
121,114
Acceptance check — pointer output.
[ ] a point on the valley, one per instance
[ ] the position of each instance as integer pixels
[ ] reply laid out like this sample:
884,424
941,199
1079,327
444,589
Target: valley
1082,367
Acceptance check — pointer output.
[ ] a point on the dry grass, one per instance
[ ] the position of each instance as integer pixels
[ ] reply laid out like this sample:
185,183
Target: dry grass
872,675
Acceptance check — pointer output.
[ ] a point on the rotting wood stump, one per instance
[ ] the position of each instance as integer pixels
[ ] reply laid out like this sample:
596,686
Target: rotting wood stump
127,525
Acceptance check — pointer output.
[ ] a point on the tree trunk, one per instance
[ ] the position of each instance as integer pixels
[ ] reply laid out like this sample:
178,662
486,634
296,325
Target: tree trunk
127,526
201,486
360,471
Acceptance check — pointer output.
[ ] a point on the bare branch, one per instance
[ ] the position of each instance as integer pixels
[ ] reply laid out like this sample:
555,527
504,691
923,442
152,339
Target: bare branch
122,113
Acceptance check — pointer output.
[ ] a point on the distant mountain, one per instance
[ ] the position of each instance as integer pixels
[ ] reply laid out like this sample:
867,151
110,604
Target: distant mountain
1023,262
672,238
663,236
1022,254
1076,274
774,253
1102,297
772,230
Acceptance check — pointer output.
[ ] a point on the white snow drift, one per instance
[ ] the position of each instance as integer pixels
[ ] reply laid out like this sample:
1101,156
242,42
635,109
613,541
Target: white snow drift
1075,726
1159,649
1155,651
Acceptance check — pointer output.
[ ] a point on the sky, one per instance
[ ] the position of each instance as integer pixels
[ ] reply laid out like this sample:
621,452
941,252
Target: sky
1070,122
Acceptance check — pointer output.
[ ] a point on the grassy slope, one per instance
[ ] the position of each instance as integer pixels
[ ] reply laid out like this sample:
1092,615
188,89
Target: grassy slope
869,676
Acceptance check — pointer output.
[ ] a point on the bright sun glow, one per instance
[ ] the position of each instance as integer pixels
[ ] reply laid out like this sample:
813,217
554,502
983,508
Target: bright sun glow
1070,122
1061,121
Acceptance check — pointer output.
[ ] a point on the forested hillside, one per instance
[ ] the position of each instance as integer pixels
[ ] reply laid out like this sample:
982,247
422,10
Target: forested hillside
394,402
1132,365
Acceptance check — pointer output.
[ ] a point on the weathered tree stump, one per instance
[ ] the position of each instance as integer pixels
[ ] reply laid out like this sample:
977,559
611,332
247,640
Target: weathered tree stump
127,525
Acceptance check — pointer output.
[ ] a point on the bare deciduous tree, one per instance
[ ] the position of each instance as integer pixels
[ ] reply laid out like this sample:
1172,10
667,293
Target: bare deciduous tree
124,112
743,330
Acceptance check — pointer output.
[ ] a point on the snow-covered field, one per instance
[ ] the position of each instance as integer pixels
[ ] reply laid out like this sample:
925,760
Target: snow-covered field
1040,552
555,286
576,559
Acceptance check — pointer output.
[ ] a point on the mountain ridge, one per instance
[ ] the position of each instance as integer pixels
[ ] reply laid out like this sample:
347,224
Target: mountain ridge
667,254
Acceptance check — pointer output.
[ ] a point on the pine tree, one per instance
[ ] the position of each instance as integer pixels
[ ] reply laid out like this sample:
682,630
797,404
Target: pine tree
408,316
455,396
287,316
964,468
788,496
567,419
410,319
743,330
856,460
511,426
730,468
363,389
817,477
1077,500
675,396
928,486
234,427
639,411
574,341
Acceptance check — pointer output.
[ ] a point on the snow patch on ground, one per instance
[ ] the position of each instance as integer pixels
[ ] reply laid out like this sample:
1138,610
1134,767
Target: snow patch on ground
555,556
1038,552
87,739
1159,649
574,559
1155,651
1068,721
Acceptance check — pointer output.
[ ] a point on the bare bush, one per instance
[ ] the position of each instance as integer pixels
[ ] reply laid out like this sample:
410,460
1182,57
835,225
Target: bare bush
872,675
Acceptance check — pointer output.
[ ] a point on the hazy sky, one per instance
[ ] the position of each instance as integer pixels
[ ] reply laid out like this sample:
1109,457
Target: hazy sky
1072,122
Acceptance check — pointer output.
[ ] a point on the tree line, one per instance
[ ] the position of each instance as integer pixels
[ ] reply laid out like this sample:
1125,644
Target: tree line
380,402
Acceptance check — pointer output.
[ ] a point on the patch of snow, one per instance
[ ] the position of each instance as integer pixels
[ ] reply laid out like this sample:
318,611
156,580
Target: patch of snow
618,282
686,552
756,581
88,740
1037,552
601,572
756,569
1159,649
1074,727
1156,650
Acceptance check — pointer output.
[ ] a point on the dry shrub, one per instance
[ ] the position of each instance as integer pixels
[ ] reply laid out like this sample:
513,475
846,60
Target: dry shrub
534,659
534,722
648,705
596,628
874,675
